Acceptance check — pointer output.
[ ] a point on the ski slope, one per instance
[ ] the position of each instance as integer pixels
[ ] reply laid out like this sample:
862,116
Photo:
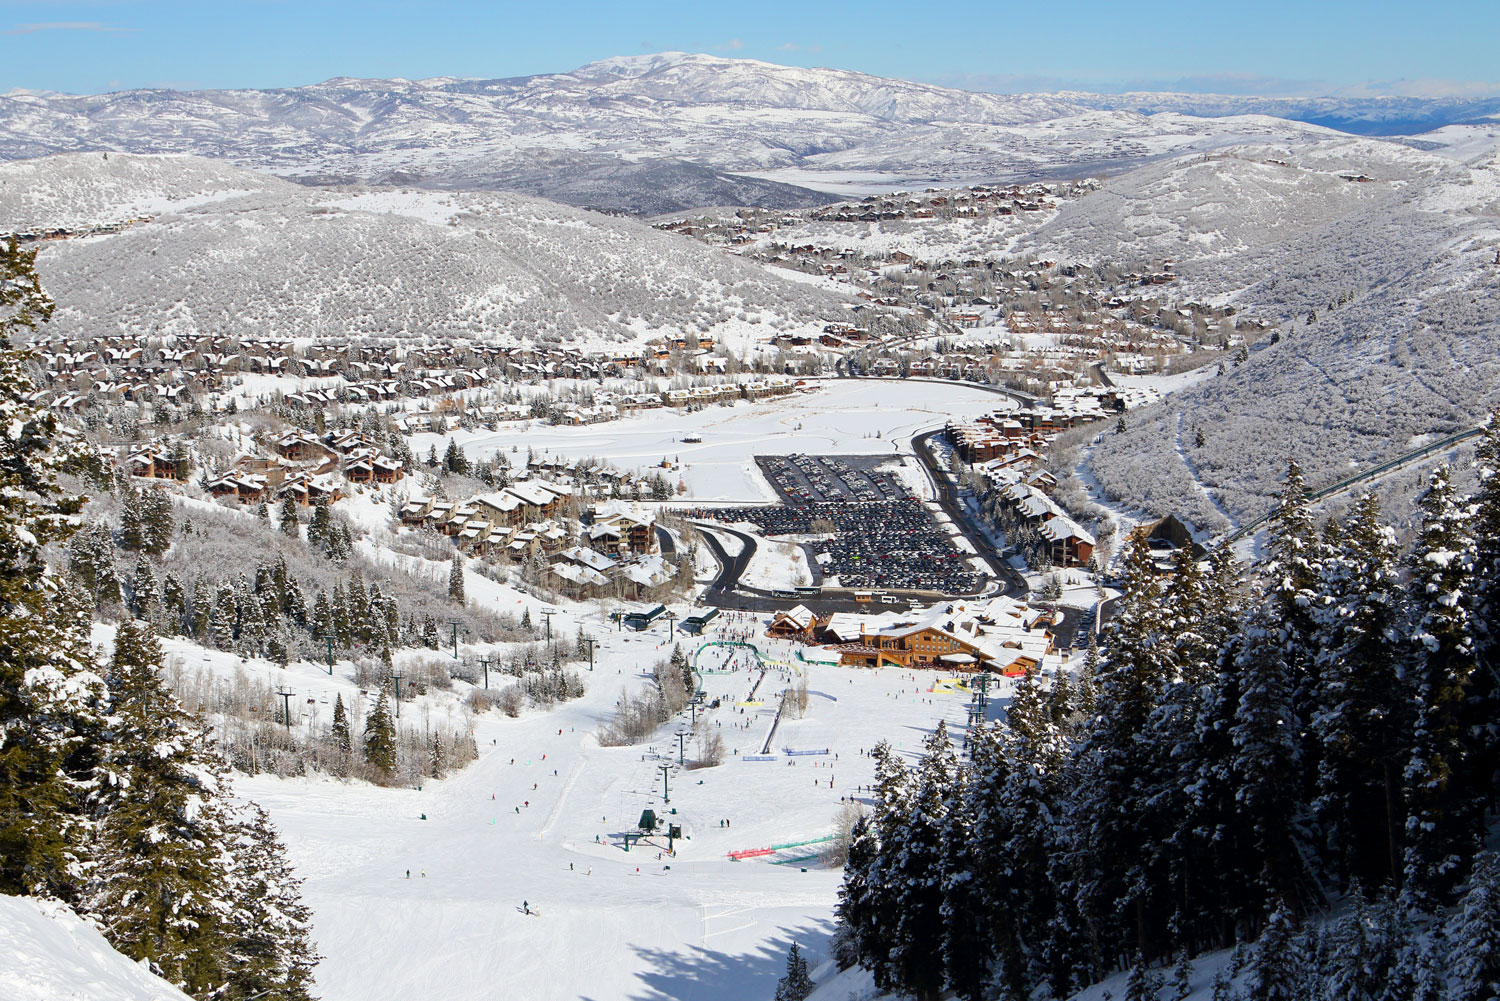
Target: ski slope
610,924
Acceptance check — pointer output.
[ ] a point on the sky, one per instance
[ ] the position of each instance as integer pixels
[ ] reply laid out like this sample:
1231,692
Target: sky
1436,48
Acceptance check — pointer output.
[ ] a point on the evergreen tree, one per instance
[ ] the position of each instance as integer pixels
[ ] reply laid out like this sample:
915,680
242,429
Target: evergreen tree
868,901
796,985
143,596
342,741
1442,828
454,460
91,560
380,738
270,949
320,526
1365,706
1473,932
1266,763
173,602
49,693
456,578
1144,983
132,520
1276,973
916,872
289,522
1111,814
1483,702
146,521
159,887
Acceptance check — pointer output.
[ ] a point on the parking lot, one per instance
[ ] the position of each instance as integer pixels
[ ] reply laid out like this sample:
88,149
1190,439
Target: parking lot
874,533
809,479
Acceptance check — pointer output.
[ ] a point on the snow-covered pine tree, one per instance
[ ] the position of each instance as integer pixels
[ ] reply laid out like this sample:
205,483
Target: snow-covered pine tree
91,560
1266,762
50,694
1144,982
1362,952
1484,604
143,596
343,742
1364,706
156,521
967,944
1473,931
380,738
868,900
1109,812
173,603
132,520
159,888
288,519
796,985
915,869
1446,801
1276,972
223,617
269,939
456,578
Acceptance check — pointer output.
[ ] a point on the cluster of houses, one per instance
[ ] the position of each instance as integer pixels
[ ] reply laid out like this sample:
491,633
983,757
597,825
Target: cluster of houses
83,371
972,202
295,462
612,548
997,635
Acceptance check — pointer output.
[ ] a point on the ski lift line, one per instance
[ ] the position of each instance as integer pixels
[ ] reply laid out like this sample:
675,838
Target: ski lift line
1366,475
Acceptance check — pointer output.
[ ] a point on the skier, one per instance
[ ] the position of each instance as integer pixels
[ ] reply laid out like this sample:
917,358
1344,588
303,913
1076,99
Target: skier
525,907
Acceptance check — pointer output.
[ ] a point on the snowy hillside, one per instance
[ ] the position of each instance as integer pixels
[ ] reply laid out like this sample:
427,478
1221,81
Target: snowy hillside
286,260
49,953
607,134
1384,287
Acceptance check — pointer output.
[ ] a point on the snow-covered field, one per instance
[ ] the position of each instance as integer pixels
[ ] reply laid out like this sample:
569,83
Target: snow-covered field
839,418
535,819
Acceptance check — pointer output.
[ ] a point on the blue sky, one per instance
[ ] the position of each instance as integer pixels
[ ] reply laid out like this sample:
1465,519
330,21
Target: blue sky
1262,47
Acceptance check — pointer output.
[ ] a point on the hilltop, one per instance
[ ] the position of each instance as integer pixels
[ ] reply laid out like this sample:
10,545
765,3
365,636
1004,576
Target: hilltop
234,251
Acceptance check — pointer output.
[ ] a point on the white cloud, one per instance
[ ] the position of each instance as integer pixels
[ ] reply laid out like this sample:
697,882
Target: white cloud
732,45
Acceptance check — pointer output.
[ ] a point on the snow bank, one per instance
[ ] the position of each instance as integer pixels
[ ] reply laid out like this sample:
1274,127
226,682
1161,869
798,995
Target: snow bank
49,953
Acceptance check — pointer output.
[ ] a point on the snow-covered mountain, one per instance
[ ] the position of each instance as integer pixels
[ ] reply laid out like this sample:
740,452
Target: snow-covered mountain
233,251
606,134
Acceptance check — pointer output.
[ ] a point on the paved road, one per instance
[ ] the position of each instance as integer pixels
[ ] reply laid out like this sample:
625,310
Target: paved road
727,592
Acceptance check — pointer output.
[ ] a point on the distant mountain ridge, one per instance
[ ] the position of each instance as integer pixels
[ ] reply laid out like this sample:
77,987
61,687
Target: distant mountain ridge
656,133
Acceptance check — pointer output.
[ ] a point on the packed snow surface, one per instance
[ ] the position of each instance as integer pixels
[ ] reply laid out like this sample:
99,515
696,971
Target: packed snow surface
534,821
841,417
49,953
